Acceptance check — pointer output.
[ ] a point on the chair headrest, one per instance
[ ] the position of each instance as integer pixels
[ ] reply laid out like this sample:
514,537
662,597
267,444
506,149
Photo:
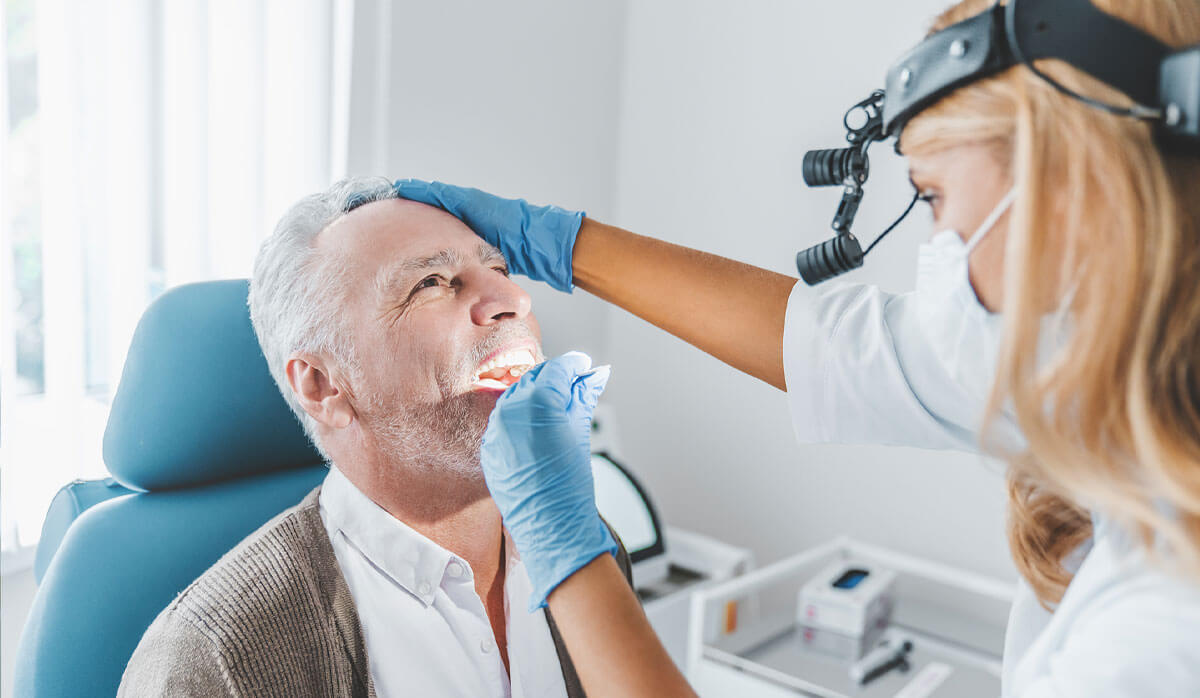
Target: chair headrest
196,403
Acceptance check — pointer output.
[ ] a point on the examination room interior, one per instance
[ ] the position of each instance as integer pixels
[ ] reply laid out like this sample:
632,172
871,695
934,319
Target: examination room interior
683,119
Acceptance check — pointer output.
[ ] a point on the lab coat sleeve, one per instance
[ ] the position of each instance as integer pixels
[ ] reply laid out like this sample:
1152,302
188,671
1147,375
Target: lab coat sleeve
859,371
1145,643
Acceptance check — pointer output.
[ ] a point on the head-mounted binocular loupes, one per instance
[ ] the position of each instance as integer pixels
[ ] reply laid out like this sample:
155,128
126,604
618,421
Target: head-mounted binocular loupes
1163,85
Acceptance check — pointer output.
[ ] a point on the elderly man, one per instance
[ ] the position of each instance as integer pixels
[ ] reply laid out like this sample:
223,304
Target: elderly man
391,329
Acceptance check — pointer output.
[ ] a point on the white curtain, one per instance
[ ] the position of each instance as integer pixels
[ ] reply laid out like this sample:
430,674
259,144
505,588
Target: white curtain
172,133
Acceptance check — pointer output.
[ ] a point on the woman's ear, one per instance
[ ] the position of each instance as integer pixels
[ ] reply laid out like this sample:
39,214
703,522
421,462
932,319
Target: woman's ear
317,391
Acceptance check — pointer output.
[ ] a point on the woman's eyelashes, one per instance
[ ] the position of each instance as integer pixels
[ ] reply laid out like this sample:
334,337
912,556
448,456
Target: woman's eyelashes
933,199
925,193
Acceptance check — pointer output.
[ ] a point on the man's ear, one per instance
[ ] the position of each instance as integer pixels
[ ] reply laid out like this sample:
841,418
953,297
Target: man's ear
318,394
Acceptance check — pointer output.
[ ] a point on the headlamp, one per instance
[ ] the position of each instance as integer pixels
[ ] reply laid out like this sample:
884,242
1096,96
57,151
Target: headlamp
1163,84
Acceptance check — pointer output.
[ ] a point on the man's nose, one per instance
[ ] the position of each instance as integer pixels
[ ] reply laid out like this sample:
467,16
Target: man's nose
499,298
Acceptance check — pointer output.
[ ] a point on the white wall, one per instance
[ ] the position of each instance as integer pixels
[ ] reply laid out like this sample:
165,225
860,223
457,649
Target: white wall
516,98
720,100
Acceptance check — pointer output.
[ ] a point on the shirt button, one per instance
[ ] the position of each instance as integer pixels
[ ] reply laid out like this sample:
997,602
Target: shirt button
486,645
455,570
423,588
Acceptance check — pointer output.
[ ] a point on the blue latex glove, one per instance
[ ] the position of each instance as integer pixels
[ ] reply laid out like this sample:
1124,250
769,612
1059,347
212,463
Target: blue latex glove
536,459
537,241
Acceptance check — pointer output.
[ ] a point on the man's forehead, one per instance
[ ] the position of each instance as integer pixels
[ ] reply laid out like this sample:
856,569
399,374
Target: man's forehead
397,229
396,220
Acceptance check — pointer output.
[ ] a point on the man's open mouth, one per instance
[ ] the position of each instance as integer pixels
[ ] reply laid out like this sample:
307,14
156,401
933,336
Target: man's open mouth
503,369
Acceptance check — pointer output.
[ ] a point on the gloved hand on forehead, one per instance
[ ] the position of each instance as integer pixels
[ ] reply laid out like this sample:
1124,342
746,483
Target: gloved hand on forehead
537,241
536,459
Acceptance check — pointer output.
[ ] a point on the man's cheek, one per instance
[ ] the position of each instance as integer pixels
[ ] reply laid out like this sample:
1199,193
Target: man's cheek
534,328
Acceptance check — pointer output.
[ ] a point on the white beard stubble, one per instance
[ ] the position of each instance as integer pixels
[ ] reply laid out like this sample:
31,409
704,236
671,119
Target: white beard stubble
442,436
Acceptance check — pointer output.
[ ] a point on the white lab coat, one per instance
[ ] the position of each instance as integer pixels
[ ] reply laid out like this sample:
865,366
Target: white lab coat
859,369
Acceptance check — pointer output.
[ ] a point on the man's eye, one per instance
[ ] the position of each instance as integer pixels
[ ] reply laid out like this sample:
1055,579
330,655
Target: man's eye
429,282
502,270
928,196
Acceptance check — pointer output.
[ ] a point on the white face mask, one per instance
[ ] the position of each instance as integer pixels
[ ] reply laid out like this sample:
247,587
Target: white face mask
964,335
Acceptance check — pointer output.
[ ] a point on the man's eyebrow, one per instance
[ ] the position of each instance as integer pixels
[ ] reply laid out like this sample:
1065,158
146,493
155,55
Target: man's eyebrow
394,276
489,254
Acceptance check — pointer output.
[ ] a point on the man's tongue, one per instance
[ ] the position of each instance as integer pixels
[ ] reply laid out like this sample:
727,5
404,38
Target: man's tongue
498,378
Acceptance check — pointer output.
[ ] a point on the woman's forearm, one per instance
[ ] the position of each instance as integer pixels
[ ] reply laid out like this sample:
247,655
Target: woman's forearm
731,310
611,643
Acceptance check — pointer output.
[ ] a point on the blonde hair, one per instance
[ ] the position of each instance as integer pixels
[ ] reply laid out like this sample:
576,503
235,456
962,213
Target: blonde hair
1112,421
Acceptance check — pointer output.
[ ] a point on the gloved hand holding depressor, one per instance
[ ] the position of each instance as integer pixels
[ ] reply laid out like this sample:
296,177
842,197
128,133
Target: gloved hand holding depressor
537,241
536,459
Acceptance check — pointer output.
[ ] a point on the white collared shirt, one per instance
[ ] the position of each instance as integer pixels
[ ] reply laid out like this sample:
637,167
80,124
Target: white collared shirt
426,630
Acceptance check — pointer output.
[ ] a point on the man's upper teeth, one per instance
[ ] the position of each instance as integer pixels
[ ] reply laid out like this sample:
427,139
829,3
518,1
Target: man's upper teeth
520,357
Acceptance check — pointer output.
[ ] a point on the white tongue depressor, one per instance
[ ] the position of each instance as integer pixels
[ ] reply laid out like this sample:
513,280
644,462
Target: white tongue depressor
591,371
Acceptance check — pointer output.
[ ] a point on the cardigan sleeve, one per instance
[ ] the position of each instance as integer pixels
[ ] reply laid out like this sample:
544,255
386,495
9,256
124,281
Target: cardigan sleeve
174,658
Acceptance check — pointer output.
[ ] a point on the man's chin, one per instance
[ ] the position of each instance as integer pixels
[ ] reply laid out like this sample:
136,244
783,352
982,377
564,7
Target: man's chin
484,398
479,405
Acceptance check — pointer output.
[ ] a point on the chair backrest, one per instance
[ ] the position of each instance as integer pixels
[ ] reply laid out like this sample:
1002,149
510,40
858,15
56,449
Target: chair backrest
203,450
68,504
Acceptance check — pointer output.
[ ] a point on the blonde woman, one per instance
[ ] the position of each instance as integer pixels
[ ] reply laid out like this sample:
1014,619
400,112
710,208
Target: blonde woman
1056,324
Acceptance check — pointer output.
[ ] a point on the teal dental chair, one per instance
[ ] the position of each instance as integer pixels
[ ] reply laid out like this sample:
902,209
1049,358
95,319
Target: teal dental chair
203,450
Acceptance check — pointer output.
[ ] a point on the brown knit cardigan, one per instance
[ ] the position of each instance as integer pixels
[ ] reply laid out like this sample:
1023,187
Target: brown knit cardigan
273,617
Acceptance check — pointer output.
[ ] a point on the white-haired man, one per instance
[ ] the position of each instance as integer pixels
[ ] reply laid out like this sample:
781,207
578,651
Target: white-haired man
391,329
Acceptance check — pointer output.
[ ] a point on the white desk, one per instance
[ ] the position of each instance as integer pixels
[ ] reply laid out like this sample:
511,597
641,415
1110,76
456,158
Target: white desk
955,619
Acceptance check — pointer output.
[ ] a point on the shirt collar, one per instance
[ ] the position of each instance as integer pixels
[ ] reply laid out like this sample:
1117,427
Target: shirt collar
410,559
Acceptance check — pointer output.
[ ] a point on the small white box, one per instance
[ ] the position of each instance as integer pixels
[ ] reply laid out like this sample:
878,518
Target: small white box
847,597
848,648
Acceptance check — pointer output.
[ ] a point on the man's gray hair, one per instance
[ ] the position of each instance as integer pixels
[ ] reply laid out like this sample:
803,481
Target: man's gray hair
297,293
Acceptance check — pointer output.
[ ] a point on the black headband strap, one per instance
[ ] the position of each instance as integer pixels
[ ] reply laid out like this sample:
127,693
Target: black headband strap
1075,31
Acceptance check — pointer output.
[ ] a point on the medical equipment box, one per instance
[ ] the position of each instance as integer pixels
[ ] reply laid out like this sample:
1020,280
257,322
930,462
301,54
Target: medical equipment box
848,648
847,597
